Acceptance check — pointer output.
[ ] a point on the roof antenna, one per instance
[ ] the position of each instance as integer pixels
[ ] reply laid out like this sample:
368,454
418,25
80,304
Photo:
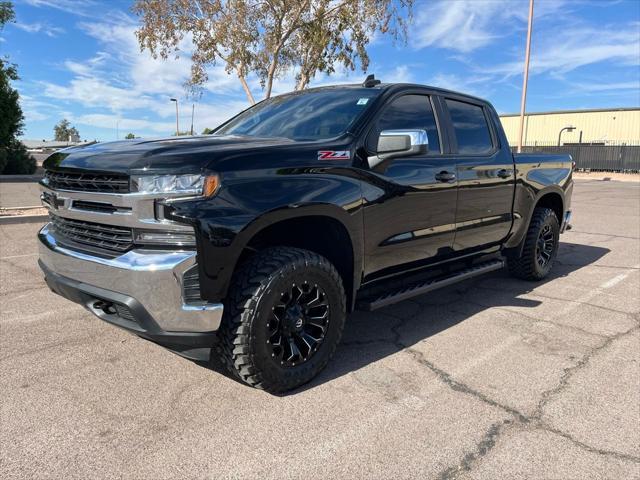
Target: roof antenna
370,81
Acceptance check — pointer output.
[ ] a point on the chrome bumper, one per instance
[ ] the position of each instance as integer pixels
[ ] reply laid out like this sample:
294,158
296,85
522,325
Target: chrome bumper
151,278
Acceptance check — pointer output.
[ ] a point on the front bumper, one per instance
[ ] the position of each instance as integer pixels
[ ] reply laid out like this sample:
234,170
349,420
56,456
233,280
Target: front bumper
140,291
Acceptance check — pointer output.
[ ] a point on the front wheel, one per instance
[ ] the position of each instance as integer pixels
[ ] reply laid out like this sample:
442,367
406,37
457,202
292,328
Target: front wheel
283,319
540,247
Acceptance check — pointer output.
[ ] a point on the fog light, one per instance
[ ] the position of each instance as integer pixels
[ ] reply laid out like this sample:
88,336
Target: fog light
156,237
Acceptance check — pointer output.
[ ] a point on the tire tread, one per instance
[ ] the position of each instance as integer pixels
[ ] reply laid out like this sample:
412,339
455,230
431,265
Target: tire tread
249,283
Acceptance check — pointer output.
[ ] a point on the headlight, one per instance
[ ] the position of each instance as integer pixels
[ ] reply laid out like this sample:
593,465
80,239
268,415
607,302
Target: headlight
187,184
169,184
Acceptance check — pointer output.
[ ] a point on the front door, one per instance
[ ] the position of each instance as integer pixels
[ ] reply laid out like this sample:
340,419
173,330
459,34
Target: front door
410,208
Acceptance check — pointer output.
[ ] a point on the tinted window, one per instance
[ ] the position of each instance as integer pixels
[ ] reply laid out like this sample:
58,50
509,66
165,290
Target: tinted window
470,125
311,115
411,112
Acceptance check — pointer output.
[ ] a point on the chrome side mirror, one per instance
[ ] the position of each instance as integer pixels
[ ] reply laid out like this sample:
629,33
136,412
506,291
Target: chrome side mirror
399,143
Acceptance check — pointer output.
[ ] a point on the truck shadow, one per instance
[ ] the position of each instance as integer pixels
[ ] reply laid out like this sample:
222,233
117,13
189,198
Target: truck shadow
372,336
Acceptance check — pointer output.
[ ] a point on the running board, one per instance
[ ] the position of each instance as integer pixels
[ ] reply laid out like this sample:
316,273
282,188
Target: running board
430,285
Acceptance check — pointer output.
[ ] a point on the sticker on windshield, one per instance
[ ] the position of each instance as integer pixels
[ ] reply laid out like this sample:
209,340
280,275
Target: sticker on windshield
333,155
362,101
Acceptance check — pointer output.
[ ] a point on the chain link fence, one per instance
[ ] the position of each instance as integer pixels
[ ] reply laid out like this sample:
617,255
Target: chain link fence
623,158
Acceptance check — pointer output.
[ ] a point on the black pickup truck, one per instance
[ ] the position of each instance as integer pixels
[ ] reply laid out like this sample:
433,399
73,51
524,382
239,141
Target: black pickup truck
256,241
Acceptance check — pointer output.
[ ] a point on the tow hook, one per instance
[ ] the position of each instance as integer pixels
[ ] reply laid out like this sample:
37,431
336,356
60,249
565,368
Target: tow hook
106,307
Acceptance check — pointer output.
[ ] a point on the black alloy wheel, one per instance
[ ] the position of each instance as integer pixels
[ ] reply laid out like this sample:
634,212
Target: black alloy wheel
545,246
298,324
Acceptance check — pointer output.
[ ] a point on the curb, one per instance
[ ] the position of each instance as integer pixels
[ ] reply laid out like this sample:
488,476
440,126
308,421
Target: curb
17,219
20,178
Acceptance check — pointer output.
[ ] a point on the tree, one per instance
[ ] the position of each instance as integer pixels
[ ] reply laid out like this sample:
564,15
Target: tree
63,131
14,157
130,136
207,131
269,38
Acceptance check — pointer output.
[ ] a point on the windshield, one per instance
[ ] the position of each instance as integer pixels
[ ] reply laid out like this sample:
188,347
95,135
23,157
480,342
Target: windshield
312,115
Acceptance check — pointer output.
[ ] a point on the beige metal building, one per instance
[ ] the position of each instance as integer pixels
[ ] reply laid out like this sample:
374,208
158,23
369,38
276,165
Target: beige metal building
608,126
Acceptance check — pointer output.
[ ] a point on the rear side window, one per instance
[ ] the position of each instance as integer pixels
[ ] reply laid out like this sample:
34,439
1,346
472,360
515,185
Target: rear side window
470,125
411,112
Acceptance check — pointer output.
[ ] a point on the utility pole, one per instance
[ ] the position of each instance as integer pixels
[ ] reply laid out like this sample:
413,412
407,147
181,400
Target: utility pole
177,124
193,107
525,80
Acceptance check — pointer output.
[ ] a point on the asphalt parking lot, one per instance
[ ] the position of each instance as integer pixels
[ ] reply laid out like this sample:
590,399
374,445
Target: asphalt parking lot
491,378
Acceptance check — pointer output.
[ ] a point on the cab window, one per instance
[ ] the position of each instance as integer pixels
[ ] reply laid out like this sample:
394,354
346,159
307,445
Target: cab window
409,112
470,126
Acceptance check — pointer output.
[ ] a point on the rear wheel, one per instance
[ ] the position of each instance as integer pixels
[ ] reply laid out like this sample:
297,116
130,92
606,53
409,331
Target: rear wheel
283,319
540,247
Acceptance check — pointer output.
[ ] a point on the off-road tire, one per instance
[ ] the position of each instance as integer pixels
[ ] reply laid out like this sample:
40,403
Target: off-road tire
252,293
527,266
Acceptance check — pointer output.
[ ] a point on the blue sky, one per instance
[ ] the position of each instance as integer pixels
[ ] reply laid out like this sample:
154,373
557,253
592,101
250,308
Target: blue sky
79,59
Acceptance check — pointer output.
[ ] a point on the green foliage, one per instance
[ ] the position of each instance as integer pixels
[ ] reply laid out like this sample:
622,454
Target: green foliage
6,13
3,159
129,136
63,131
268,39
13,155
18,161
207,131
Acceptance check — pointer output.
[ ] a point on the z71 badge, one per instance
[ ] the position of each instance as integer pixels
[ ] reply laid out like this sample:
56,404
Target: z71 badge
333,155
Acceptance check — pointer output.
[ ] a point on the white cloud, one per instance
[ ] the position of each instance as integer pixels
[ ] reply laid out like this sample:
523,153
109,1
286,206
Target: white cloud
123,84
562,51
35,109
467,25
75,7
463,25
605,87
40,27
473,85
124,124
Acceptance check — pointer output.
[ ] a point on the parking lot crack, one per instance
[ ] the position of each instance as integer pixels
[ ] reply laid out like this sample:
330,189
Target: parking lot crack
483,447
458,386
569,372
589,448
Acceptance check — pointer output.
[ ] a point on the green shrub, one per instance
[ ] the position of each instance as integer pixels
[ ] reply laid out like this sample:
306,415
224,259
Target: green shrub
18,160
3,159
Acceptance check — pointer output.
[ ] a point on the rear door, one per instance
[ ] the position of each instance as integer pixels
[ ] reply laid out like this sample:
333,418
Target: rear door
485,175
409,215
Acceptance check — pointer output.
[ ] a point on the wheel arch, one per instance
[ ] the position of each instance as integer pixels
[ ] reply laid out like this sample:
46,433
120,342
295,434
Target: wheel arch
551,197
327,232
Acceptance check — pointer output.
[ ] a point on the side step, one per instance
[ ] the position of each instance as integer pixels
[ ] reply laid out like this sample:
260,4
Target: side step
430,285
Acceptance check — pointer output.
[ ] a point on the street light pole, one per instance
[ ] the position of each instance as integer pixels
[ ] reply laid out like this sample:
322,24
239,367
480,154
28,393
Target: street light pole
193,107
525,80
568,128
177,124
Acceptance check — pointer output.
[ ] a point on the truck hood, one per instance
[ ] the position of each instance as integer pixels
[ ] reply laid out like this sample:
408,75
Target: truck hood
174,154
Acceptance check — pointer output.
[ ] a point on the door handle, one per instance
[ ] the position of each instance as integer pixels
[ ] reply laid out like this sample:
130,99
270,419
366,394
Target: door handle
445,176
504,173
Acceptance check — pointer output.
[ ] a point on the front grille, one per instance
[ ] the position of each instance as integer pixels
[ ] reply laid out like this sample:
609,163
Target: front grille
98,235
88,182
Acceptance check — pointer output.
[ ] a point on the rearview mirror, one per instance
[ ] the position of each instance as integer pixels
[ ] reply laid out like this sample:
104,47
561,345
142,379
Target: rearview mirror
399,143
